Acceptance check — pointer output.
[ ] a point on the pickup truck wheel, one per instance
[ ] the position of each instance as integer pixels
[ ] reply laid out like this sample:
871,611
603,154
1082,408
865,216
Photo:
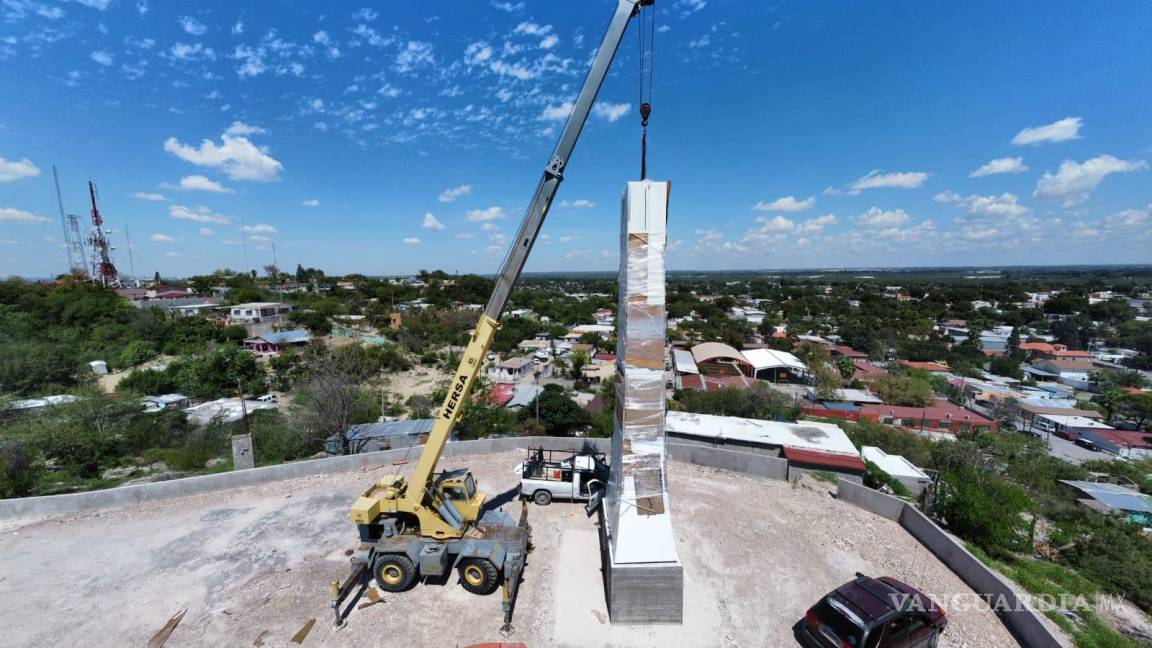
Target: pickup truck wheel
479,576
394,573
542,498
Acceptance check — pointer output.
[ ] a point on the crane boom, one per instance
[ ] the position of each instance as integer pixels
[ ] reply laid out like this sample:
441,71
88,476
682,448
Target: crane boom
513,264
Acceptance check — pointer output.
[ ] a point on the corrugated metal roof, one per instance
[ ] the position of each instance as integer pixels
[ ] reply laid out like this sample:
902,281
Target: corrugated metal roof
391,428
683,361
524,395
1113,495
298,336
817,458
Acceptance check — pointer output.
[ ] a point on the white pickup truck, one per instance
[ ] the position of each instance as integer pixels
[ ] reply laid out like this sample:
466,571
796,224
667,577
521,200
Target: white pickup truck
548,474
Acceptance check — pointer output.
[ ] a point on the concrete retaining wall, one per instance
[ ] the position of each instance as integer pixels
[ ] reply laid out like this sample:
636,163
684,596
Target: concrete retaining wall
752,463
1018,617
870,500
125,495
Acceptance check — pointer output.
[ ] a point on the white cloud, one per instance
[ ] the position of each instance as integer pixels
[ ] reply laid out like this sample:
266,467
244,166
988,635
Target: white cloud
1000,165
532,29
878,180
415,54
240,129
480,215
876,217
311,203
11,170
171,253
153,197
947,197
775,224
1058,131
202,183
448,195
412,240
813,225
101,57
204,231
465,236
193,52
786,204
510,7
258,228
431,222
491,227
549,41
162,238
197,214
579,203
556,113
1130,219
1004,205
236,155
610,111
100,5
193,26
258,237
569,238
477,53
13,215
238,28
1074,181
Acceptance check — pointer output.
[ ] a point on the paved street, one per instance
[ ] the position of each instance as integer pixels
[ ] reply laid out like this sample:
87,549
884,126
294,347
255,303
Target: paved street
1073,453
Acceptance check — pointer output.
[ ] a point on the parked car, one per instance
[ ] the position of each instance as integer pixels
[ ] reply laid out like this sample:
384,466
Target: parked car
872,613
268,398
1087,444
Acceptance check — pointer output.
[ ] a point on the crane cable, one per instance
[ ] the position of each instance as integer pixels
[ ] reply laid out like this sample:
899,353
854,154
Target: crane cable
647,65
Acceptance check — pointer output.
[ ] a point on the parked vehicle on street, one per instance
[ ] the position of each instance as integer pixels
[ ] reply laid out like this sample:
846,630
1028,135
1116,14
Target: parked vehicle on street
1087,444
872,613
549,474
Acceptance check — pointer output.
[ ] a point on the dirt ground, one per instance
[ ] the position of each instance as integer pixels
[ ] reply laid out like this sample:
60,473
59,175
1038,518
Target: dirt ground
417,381
255,564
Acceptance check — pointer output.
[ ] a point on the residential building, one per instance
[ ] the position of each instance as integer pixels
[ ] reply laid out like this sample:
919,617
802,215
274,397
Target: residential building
898,467
271,343
1114,499
942,416
384,435
259,312
514,369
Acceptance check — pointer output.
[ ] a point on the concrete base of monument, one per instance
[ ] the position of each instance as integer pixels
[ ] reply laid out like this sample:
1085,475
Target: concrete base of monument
643,576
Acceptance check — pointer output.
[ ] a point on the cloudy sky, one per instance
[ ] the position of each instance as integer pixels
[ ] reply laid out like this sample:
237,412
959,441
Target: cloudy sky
386,139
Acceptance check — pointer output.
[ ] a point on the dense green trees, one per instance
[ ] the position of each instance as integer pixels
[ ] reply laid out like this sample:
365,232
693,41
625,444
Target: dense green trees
558,414
908,388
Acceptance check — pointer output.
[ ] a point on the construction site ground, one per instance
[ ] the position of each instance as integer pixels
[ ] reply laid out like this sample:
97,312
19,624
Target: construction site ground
252,566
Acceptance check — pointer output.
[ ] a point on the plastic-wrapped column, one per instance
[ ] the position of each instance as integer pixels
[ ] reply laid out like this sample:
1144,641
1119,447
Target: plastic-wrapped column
637,503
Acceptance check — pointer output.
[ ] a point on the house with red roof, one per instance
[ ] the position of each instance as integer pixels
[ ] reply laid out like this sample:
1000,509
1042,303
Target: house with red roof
942,416
930,367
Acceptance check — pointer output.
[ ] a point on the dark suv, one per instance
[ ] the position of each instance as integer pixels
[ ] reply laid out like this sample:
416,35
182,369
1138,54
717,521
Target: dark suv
872,613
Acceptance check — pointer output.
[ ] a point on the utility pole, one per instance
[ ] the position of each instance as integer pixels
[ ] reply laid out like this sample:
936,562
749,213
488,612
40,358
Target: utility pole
243,455
131,261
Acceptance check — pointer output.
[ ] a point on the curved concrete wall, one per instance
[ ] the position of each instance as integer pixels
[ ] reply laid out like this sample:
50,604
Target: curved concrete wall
1017,615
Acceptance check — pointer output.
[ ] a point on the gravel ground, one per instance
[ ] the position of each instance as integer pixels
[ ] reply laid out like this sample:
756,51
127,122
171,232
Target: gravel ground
255,564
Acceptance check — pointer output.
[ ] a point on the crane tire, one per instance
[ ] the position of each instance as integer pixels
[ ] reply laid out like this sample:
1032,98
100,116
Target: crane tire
479,576
394,572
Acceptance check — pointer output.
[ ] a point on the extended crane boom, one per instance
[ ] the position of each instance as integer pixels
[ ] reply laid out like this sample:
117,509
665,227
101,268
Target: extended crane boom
431,522
489,324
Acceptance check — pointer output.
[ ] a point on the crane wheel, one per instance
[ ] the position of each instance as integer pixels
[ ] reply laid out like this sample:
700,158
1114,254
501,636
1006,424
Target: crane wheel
479,576
542,498
394,573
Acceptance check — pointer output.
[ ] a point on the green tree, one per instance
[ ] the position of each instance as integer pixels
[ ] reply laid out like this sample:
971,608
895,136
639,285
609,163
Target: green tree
479,420
559,415
904,388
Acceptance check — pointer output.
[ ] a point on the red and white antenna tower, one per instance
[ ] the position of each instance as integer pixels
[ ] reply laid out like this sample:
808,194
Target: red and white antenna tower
103,270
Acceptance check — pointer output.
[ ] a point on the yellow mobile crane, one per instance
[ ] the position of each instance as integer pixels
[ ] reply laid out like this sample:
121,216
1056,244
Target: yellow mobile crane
431,522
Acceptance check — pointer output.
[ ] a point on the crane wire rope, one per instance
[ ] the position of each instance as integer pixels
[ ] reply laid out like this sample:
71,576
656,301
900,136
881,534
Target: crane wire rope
647,55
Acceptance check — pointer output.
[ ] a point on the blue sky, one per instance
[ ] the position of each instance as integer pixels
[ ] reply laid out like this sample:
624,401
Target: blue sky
386,138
